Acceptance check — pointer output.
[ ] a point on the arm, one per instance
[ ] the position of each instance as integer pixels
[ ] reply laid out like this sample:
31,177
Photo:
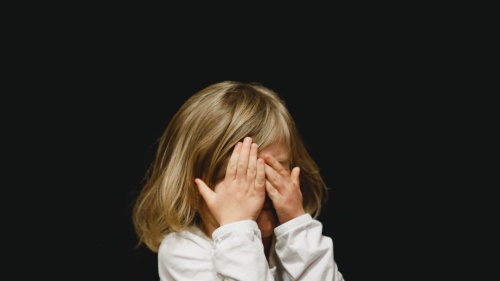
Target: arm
238,252
304,252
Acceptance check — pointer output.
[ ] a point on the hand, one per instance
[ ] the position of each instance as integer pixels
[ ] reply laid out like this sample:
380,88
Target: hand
241,194
283,187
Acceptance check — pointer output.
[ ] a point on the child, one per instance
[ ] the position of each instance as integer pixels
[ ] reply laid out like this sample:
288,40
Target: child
225,198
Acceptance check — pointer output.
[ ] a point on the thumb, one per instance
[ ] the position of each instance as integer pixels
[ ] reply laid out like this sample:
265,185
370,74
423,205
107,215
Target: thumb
205,191
295,175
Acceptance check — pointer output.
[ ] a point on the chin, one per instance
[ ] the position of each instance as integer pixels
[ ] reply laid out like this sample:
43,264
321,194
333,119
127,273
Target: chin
267,221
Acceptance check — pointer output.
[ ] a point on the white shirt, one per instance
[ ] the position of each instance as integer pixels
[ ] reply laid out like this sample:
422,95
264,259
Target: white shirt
299,252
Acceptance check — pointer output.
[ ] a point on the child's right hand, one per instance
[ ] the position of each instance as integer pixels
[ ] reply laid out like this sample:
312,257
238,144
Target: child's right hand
241,194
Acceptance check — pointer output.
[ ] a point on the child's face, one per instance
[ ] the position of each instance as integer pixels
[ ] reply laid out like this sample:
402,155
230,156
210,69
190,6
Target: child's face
267,219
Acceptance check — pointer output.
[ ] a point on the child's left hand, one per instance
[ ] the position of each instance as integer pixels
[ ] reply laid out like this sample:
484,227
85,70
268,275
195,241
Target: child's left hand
283,187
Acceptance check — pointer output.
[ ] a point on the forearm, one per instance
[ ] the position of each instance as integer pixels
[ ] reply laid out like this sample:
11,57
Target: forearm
238,252
305,253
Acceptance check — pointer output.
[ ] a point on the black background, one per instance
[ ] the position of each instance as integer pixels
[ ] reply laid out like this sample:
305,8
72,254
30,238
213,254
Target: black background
97,92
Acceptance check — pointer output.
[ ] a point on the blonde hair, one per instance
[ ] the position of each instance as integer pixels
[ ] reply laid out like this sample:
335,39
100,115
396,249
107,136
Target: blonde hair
197,143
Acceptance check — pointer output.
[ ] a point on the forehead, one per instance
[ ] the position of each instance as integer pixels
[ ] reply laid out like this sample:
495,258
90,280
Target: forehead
277,150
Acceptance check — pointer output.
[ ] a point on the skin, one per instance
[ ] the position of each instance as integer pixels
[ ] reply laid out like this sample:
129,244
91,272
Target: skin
257,186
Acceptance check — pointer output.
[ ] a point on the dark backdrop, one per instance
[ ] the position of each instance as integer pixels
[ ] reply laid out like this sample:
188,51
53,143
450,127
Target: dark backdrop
382,99
100,98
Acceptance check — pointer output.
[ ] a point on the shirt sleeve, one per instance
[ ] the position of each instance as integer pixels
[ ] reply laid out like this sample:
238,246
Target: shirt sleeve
238,252
304,252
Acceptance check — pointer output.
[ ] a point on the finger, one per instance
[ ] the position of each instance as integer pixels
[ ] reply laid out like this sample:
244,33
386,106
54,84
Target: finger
233,162
275,164
205,191
241,171
274,178
272,192
260,180
252,162
295,175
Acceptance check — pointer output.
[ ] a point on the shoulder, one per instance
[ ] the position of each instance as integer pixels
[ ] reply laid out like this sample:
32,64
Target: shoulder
186,255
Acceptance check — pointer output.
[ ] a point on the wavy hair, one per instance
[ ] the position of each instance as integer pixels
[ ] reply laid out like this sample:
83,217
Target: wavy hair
199,140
